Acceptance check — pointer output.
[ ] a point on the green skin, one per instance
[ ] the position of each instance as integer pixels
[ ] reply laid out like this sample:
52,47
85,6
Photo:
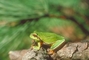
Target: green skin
47,38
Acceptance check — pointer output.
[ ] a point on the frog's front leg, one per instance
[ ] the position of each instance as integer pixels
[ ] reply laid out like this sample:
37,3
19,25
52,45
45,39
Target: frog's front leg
37,47
58,44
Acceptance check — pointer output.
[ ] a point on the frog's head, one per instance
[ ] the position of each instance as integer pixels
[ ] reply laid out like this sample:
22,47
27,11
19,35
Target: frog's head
34,36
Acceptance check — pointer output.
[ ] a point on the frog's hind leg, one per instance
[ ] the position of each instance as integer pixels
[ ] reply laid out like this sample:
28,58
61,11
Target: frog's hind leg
56,46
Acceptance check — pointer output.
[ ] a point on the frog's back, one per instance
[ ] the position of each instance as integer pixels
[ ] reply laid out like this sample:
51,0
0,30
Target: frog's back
49,37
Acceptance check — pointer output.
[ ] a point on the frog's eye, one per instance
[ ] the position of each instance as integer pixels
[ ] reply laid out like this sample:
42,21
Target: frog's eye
35,35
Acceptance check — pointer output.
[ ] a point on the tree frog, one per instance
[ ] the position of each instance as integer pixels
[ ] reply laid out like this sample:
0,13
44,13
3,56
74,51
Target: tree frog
48,38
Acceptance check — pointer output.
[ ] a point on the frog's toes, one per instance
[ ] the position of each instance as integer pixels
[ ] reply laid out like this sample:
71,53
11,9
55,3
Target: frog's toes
50,51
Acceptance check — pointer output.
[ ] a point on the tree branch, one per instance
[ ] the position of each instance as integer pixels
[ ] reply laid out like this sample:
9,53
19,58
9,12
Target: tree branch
70,51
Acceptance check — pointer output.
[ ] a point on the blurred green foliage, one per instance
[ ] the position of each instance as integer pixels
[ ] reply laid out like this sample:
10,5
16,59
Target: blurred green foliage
18,18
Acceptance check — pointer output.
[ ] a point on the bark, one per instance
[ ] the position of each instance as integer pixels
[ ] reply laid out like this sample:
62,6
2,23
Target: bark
70,51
